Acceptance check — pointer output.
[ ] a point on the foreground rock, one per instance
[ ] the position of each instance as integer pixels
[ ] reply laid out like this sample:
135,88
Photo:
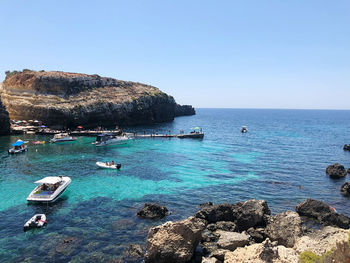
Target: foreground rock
4,120
232,240
336,171
152,211
174,242
245,215
345,189
284,228
71,99
261,253
322,212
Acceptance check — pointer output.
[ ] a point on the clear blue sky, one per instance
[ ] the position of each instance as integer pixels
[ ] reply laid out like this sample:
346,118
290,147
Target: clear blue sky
237,54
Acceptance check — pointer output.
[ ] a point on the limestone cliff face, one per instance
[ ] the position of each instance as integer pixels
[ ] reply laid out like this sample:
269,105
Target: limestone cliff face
4,120
71,99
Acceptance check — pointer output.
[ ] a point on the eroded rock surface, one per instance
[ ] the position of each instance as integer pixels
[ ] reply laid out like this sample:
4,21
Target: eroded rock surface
174,242
284,228
345,189
323,213
232,240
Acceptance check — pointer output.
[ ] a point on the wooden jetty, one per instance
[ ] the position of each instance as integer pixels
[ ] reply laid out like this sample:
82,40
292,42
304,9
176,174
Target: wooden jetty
198,135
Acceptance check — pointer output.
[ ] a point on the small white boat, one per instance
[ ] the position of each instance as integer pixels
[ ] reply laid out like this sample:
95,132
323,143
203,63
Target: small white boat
49,189
18,147
244,129
62,137
109,139
108,165
37,221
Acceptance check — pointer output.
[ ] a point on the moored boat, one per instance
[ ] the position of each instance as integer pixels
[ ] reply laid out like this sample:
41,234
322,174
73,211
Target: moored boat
62,137
108,165
110,139
49,189
37,221
18,147
38,142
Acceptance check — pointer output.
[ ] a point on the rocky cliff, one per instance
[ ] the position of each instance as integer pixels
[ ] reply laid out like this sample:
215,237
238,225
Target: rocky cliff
71,99
4,120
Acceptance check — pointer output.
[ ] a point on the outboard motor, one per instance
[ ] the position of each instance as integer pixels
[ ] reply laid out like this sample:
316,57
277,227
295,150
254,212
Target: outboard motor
119,165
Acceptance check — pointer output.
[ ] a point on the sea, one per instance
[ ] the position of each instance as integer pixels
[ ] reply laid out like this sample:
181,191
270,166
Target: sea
281,159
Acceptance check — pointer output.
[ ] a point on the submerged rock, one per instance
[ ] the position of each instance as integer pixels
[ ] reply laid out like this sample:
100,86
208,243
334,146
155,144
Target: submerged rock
134,252
65,99
345,189
322,212
152,211
336,171
174,242
284,228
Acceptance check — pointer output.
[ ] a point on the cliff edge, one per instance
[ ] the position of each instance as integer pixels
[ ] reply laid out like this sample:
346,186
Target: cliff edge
4,120
71,99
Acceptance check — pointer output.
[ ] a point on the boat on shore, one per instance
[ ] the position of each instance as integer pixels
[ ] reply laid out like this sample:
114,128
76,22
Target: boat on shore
110,139
62,137
18,147
37,221
49,189
108,165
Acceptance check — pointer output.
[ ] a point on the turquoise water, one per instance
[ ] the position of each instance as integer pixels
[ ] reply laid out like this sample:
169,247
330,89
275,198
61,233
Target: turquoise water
283,149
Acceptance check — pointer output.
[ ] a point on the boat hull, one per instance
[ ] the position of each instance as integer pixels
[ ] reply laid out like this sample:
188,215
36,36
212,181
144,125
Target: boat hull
103,165
52,197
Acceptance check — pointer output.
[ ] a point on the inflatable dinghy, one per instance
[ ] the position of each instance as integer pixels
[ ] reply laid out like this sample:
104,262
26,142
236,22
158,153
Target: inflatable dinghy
108,165
37,221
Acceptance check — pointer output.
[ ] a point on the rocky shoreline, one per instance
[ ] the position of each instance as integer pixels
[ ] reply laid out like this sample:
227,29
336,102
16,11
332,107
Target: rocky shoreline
247,232
4,120
66,100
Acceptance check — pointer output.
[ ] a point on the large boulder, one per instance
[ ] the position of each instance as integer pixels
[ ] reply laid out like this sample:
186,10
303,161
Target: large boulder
232,240
345,189
152,211
248,214
4,120
284,228
252,213
322,212
336,171
174,242
216,213
266,252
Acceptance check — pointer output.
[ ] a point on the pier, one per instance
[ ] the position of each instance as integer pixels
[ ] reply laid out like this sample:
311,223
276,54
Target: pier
198,135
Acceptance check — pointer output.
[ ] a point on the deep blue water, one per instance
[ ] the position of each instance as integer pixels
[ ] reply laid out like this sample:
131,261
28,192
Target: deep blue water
283,149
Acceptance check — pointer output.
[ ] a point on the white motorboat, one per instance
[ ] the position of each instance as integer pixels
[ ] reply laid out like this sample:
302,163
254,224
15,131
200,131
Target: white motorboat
62,137
108,165
244,129
18,147
37,221
109,139
49,189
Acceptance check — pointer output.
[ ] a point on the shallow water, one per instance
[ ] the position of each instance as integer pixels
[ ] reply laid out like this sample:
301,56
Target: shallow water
283,149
